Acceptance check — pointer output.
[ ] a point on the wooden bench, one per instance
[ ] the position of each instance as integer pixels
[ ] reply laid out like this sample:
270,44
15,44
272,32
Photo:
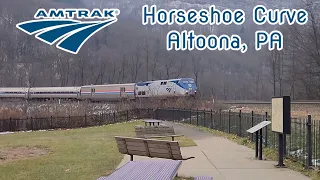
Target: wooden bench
149,147
161,131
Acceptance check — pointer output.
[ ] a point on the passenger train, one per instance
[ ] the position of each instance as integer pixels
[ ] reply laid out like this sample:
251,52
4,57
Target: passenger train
183,87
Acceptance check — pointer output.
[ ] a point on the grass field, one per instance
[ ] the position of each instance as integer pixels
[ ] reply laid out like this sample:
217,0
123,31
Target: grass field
67,154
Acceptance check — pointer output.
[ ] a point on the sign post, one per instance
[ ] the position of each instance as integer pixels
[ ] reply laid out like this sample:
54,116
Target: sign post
257,129
281,117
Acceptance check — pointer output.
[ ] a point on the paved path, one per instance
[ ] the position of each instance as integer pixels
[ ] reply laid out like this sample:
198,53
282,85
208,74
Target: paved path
223,159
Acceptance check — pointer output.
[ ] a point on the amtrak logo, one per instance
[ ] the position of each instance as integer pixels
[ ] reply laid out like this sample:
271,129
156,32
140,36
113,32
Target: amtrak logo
63,25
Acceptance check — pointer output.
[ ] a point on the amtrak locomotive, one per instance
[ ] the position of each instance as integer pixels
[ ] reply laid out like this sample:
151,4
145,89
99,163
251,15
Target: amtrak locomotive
160,88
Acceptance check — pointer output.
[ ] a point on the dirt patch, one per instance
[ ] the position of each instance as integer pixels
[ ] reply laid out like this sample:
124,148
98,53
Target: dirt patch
16,153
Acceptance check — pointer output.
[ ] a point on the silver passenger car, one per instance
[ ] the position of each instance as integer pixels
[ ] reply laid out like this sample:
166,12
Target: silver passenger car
108,92
54,92
14,92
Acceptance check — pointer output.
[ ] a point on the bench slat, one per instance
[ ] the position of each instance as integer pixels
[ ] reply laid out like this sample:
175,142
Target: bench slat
166,151
152,150
164,136
130,143
159,146
147,131
150,141
159,133
152,154
155,132
203,178
156,150
163,146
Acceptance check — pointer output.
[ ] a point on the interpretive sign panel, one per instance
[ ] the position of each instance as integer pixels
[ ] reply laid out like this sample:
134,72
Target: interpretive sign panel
258,126
281,114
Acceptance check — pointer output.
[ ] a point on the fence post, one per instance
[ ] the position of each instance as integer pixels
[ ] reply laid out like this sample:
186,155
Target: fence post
257,145
137,113
220,119
10,127
266,134
197,116
68,123
309,141
204,118
190,116
51,126
284,145
173,114
240,124
114,116
102,118
153,113
252,138
85,120
211,119
184,113
127,115
229,126
31,123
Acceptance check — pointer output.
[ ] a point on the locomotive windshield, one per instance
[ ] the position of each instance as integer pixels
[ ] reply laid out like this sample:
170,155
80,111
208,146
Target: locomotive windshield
188,84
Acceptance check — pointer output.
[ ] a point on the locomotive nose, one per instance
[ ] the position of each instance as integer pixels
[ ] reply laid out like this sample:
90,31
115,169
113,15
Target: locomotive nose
191,92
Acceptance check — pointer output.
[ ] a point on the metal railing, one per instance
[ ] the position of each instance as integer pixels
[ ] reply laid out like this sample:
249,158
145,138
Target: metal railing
297,143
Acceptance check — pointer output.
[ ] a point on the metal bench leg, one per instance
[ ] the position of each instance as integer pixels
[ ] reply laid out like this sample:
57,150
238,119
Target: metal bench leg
172,137
131,157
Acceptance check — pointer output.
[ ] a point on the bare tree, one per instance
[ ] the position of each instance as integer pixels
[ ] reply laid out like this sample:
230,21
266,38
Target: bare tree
146,49
197,67
135,64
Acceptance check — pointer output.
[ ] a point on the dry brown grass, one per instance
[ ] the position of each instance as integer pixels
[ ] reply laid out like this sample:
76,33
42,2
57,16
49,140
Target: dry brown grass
22,110
173,102
15,153
6,113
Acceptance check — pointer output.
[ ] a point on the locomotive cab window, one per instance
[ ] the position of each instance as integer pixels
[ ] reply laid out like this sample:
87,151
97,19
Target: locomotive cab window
143,93
139,93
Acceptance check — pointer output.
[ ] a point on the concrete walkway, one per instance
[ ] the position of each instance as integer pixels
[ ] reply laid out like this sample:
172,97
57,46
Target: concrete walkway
223,159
